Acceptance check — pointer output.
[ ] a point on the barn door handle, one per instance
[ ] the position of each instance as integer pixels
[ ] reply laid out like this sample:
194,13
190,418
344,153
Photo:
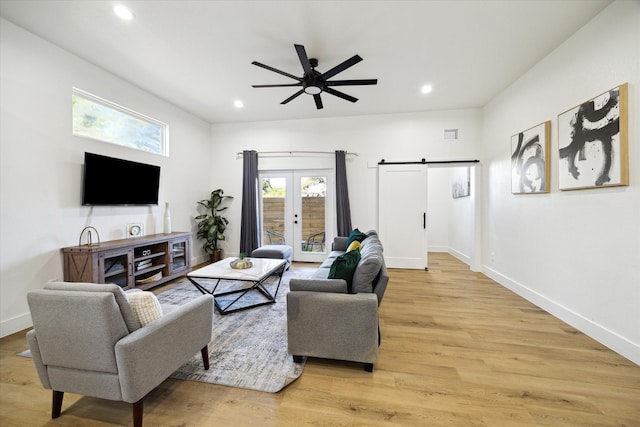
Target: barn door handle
424,220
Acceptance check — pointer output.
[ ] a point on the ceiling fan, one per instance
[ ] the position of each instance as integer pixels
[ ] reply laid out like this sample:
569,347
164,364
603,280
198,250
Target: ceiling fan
314,82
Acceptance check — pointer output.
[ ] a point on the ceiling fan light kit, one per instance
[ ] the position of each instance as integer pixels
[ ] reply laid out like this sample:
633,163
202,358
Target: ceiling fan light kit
313,82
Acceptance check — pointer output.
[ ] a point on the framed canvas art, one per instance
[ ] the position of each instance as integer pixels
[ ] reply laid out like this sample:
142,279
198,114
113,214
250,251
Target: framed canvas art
593,142
461,183
530,160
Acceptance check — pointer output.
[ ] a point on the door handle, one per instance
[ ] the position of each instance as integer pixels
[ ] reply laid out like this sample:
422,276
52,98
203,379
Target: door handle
424,220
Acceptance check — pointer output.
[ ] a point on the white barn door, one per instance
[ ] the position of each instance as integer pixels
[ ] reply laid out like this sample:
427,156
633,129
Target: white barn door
402,215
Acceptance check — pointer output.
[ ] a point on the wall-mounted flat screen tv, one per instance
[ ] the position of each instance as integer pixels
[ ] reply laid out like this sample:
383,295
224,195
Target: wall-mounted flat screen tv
112,182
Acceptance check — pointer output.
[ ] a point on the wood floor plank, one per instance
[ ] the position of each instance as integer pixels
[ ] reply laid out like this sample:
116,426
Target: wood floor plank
457,350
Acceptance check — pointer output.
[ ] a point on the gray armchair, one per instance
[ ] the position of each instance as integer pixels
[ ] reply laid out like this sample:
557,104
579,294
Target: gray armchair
87,340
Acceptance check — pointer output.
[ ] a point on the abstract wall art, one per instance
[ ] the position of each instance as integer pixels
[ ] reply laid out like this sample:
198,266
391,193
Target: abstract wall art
461,183
593,142
530,160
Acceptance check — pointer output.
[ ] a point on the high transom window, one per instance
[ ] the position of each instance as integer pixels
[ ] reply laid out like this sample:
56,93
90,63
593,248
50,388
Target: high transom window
97,118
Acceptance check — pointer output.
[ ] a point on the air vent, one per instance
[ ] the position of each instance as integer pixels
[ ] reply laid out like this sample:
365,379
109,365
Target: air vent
450,134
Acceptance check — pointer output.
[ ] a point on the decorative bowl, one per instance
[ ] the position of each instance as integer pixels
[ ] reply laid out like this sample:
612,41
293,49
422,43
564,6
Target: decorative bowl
240,264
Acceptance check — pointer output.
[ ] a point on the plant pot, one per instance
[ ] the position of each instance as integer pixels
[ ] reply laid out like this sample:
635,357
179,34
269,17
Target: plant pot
216,255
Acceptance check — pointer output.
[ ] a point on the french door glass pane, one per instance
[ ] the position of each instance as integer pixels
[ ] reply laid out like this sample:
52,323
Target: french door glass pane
313,191
273,210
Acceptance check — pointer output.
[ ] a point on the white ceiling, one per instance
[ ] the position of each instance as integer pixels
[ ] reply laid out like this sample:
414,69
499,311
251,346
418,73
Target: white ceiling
197,54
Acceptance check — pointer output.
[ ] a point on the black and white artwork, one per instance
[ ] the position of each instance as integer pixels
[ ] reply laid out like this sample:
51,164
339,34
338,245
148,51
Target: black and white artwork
461,183
592,142
530,160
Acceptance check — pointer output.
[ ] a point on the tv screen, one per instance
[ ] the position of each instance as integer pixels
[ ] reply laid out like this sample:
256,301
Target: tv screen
110,182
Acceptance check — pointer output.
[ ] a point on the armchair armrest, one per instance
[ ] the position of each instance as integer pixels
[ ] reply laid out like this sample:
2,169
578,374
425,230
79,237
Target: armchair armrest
319,285
149,355
333,325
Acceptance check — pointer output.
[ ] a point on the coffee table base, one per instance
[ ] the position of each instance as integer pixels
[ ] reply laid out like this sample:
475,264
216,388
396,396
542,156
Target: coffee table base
257,286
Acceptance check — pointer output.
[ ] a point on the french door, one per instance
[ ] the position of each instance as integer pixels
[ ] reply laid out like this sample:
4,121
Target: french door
295,208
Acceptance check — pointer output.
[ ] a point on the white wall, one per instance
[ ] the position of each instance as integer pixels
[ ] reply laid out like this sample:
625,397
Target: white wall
401,137
574,253
41,165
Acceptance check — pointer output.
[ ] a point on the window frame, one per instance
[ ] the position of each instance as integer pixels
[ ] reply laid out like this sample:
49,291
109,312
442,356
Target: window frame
126,113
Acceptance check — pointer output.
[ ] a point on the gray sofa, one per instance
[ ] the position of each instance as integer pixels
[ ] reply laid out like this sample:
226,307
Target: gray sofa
325,321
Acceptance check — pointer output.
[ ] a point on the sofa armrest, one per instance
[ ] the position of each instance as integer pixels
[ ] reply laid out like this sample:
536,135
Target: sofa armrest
149,355
333,325
319,285
340,243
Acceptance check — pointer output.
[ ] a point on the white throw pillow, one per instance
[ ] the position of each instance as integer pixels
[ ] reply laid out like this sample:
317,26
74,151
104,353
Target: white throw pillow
145,305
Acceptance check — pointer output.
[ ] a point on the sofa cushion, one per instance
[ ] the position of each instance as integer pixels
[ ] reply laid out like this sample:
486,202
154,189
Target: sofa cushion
326,264
355,245
369,266
356,235
344,266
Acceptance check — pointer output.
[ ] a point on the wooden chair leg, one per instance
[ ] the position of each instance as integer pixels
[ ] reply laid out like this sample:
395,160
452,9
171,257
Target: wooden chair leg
56,404
137,413
205,357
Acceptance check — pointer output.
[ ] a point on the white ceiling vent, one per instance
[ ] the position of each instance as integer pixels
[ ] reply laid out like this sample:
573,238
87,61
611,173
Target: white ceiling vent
450,134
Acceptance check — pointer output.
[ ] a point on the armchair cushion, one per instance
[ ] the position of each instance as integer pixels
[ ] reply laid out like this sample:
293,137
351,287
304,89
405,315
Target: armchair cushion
146,306
130,318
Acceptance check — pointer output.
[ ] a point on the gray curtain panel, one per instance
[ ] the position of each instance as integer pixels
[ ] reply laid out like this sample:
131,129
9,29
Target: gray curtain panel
250,225
342,195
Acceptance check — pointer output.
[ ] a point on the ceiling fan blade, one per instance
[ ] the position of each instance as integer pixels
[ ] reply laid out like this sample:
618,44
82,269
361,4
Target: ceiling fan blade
341,67
295,95
282,85
340,94
352,82
318,101
304,59
275,70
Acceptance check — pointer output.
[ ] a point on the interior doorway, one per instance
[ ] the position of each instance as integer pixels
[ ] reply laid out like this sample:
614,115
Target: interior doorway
294,209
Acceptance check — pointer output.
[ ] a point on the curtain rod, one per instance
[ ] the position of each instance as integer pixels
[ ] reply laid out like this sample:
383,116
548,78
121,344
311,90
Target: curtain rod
426,162
291,152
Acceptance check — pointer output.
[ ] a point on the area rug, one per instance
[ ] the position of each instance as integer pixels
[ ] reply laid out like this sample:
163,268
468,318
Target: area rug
248,348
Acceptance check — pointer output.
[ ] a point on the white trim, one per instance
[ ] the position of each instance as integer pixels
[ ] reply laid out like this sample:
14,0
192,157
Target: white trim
164,143
615,342
15,324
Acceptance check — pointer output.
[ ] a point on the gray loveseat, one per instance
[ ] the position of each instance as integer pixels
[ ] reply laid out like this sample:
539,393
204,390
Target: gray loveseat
324,320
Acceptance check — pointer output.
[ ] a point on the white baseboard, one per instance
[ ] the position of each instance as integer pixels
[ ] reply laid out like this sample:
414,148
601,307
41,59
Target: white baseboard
462,257
614,341
15,324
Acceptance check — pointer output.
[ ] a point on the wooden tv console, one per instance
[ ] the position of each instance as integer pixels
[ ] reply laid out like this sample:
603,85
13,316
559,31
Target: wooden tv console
140,262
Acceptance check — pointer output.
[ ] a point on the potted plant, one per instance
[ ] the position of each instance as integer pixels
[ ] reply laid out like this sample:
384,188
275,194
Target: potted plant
211,226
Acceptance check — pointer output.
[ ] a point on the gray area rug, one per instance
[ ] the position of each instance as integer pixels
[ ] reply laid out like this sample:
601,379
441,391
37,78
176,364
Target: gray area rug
248,348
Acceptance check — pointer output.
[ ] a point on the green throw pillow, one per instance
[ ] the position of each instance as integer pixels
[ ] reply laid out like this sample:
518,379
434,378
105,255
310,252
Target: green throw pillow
344,266
356,236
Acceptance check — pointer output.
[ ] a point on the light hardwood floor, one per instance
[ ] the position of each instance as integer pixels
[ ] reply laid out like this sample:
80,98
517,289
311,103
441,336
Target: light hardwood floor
457,350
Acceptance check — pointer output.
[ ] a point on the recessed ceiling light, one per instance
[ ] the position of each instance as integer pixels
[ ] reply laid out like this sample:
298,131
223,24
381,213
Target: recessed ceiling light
238,104
426,89
123,12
